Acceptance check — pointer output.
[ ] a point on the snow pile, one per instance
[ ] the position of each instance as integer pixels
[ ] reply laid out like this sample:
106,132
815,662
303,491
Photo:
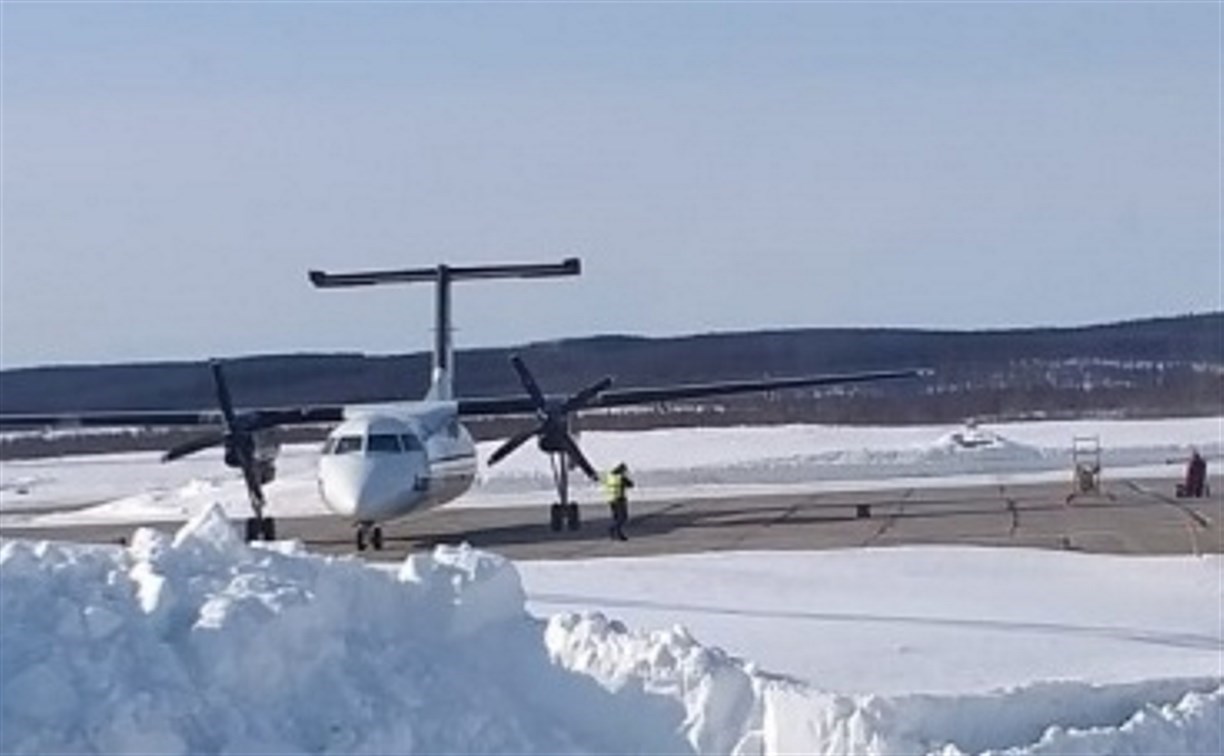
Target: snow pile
985,445
658,675
1182,717
201,644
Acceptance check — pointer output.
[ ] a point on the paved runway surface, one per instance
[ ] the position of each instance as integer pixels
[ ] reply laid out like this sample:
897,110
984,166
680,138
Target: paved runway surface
1130,517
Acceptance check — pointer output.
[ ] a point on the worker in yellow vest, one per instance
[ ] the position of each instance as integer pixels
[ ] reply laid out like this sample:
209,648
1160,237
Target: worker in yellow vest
616,483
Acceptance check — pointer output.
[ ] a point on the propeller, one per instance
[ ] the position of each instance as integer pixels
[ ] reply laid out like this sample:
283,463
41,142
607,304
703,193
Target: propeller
552,428
237,435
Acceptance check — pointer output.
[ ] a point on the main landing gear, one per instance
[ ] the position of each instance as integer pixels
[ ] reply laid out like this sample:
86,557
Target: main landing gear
371,534
260,529
563,514
247,447
555,440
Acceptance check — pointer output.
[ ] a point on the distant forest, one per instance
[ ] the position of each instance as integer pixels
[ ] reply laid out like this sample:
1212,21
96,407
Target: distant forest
1157,367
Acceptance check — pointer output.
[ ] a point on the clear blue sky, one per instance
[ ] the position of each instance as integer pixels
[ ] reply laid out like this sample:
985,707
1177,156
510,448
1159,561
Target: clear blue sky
170,171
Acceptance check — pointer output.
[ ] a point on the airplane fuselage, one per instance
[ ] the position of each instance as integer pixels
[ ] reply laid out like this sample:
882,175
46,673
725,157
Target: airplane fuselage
387,461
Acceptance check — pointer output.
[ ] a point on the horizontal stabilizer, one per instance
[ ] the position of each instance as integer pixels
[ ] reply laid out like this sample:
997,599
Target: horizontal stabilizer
442,276
569,267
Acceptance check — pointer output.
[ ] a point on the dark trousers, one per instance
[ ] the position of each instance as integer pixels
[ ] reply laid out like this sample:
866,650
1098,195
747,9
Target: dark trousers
1196,478
620,516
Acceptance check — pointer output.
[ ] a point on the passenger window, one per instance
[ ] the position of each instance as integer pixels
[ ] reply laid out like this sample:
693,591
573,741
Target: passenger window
348,444
411,443
383,443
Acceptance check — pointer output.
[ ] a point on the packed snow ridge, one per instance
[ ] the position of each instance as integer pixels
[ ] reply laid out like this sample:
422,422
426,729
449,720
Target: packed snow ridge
806,454
202,644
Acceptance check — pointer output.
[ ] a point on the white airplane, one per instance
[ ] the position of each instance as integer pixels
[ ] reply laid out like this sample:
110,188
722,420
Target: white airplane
384,461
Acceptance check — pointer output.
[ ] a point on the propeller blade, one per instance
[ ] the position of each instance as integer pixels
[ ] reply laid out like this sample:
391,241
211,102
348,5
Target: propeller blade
584,397
513,443
529,383
576,454
191,446
223,394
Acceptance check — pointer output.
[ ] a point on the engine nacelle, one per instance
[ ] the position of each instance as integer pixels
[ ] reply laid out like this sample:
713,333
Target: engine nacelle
266,471
264,449
267,446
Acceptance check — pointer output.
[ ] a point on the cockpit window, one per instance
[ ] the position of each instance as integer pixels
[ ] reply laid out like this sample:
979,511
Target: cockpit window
383,443
329,446
411,443
347,445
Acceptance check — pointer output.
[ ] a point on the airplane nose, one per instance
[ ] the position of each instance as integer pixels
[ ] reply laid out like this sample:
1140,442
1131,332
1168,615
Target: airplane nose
342,491
360,491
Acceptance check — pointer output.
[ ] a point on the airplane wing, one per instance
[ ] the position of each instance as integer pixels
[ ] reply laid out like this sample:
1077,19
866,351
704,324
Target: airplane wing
264,418
521,405
625,397
487,406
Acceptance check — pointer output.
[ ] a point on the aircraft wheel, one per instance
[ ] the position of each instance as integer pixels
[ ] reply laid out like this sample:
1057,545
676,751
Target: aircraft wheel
253,528
269,529
361,540
556,517
376,539
573,519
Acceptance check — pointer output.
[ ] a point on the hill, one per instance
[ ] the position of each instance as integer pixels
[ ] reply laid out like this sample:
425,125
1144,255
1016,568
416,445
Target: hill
1166,366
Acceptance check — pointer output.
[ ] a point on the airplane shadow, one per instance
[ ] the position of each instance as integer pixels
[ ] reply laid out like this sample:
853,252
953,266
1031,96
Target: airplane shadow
653,520
669,520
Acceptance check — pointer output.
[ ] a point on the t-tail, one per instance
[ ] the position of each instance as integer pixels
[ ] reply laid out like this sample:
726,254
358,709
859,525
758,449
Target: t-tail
441,385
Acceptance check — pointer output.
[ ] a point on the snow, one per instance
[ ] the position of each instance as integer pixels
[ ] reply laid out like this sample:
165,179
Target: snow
139,487
199,643
743,460
668,463
202,644
932,619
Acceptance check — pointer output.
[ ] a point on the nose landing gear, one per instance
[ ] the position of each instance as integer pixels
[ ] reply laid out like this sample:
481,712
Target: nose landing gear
368,532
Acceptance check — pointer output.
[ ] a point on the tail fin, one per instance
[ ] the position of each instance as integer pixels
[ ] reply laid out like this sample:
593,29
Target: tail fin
441,385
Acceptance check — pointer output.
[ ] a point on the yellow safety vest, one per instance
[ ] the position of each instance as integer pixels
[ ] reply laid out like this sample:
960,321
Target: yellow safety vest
614,484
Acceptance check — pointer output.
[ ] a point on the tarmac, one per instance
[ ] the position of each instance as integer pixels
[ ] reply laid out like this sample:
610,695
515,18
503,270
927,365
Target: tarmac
1124,517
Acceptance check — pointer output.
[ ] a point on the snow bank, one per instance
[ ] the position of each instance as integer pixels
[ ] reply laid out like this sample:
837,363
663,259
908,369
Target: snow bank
653,676
790,455
667,463
945,620
1182,717
734,708
201,644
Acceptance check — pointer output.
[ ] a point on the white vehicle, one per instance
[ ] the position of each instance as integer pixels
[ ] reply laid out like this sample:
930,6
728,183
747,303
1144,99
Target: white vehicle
385,461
